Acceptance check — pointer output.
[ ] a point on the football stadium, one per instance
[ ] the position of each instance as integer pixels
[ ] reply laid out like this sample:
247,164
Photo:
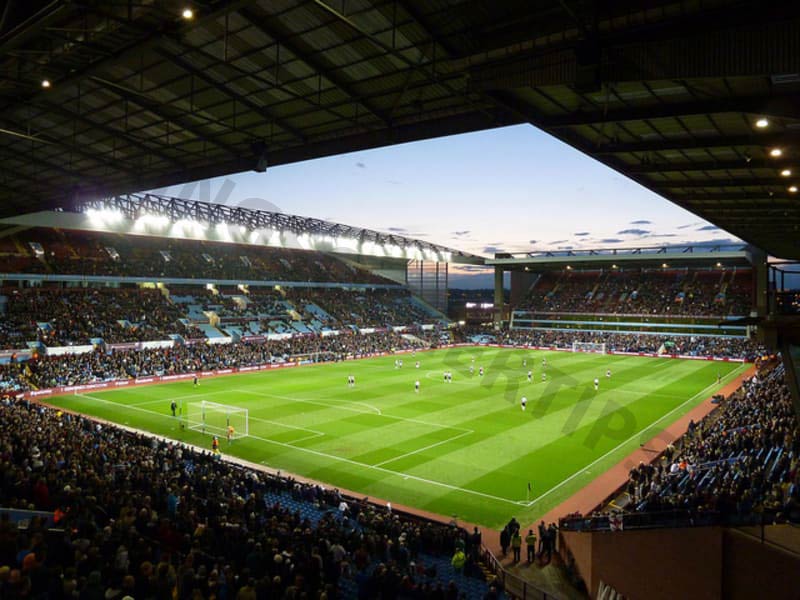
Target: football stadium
206,400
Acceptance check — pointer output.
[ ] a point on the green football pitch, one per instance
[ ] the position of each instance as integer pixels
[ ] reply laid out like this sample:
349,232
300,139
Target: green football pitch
464,448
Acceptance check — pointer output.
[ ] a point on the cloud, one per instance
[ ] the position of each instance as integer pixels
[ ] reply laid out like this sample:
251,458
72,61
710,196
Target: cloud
532,241
634,231
557,242
397,229
688,225
611,241
641,222
491,249
662,235
715,242
708,228
581,234
460,233
566,248
361,165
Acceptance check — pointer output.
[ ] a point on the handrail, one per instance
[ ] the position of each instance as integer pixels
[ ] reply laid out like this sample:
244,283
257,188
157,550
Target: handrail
514,586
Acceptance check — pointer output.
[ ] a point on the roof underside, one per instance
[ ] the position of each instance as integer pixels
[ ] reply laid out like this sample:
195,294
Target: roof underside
141,98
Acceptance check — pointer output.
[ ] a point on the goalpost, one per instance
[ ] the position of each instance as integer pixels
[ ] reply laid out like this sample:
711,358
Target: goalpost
214,419
597,348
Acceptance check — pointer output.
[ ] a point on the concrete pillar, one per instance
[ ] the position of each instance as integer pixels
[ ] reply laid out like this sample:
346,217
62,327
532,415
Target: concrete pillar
498,296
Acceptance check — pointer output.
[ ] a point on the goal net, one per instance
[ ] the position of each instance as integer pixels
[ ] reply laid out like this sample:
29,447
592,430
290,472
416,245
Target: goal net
215,419
597,348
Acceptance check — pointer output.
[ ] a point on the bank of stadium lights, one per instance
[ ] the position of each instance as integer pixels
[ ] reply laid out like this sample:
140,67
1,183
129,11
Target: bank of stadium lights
762,123
184,227
46,84
223,232
664,265
793,189
104,216
187,13
776,153
786,173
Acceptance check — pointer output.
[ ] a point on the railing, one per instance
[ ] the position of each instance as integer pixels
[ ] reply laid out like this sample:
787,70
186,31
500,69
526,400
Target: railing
515,587
667,519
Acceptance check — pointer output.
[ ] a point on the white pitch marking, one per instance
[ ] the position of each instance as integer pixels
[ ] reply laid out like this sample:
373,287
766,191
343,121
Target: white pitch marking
635,435
412,453
339,458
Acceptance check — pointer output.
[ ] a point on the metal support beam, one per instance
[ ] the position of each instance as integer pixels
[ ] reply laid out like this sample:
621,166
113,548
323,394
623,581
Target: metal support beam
110,131
217,83
714,182
718,165
690,143
781,106
162,111
306,55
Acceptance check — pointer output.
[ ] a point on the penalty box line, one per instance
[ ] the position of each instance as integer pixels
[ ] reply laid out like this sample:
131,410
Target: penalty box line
314,433
361,412
337,458
733,373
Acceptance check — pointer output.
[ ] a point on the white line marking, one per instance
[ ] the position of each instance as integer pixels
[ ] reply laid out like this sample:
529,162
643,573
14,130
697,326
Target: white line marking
333,457
327,405
412,453
651,425
374,410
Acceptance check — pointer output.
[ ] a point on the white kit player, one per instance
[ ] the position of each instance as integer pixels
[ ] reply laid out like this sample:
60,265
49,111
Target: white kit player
596,384
480,371
351,381
416,386
608,373
523,402
530,376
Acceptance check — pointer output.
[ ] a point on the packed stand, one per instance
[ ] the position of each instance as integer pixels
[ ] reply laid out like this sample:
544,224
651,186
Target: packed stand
65,317
361,308
73,369
741,460
652,292
142,518
737,465
41,250
683,345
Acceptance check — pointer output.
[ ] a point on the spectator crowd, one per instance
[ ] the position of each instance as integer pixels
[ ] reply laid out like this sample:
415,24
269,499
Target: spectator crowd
146,519
643,291
685,345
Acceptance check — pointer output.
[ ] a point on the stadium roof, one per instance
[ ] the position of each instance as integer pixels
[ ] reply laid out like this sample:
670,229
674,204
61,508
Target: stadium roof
687,97
673,257
165,216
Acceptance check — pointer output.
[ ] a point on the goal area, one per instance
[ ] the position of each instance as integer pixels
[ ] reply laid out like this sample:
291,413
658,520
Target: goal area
597,348
213,418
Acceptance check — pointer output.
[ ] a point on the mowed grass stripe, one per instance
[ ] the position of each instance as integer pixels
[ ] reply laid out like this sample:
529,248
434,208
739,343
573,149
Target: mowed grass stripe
420,453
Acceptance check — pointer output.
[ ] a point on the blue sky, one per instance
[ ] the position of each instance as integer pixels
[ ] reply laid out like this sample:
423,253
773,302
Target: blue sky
505,190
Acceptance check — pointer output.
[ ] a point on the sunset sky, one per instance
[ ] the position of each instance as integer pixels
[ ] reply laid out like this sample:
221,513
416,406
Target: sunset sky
505,190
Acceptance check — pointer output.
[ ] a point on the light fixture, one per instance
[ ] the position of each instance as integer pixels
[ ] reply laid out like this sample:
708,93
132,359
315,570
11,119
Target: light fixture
786,172
793,189
776,152
45,83
762,122
663,265
188,14
719,264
